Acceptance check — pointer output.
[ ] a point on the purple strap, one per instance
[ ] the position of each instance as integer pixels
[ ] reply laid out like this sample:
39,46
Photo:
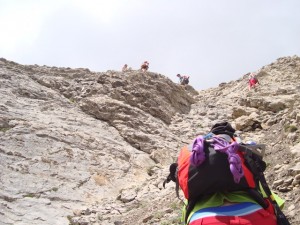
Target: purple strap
233,158
219,144
198,156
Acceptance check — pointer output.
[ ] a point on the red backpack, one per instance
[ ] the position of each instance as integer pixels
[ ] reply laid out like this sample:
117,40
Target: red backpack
218,163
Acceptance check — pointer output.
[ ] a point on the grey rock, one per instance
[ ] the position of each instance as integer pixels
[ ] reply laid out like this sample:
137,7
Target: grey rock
94,147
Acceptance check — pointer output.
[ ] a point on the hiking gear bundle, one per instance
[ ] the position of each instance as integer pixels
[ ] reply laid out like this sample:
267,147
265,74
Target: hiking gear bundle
218,162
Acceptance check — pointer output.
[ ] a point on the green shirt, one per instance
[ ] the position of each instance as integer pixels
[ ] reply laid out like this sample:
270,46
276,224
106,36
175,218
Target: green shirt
218,199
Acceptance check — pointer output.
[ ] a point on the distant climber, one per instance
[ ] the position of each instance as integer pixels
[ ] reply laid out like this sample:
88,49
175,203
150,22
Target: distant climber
125,68
253,81
145,66
183,80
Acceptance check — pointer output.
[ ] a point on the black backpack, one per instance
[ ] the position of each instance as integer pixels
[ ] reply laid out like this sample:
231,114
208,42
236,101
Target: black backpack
214,175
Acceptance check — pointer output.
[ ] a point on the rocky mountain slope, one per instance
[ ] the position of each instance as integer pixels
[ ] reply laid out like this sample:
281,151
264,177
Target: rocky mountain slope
81,147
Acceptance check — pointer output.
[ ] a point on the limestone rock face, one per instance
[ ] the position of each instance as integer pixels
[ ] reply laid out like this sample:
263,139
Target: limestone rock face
83,147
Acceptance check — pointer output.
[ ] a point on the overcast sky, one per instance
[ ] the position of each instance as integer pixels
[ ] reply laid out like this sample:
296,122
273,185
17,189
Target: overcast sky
212,41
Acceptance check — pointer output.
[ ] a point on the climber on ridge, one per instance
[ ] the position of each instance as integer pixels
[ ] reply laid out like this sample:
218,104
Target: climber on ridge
253,81
183,80
145,66
125,68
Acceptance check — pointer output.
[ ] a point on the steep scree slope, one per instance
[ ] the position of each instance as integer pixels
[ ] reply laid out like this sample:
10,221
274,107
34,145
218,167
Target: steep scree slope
80,147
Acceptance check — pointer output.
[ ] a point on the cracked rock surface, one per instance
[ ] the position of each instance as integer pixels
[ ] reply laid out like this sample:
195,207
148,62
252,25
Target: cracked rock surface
83,147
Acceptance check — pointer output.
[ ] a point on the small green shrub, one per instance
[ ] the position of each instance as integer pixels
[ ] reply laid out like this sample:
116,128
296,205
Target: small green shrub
29,195
72,100
150,170
55,189
158,215
290,128
4,129
174,206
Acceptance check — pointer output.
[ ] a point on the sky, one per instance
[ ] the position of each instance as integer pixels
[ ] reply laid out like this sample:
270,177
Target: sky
212,41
